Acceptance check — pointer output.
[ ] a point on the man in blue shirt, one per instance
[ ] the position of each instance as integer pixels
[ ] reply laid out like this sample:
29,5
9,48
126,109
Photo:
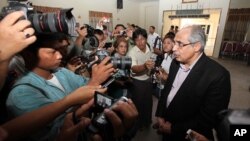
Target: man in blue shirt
46,83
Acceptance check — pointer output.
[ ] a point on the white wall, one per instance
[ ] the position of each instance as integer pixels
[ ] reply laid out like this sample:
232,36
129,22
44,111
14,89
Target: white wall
177,4
3,3
129,13
134,11
147,16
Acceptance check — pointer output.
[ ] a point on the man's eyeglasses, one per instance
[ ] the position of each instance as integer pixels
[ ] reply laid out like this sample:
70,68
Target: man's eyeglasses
180,44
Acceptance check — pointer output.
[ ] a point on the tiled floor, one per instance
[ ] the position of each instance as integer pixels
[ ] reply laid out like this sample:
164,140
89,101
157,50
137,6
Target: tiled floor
240,96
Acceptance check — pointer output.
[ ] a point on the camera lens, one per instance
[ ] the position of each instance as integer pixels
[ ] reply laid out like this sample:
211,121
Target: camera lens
61,21
91,41
122,62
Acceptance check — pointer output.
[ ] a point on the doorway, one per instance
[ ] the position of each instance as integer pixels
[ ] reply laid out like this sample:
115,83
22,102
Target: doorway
209,23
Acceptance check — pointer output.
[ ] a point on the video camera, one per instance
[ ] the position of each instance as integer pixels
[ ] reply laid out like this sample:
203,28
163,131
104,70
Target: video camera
122,63
123,33
153,72
61,21
91,41
158,60
107,45
118,62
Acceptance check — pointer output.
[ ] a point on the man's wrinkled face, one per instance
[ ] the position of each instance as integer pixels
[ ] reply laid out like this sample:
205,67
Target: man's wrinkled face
183,50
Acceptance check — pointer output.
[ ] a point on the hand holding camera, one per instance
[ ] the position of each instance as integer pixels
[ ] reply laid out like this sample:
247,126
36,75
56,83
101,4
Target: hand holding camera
83,94
149,64
74,63
108,45
100,122
161,74
120,115
15,35
61,21
115,33
17,19
82,32
101,71
105,66
129,115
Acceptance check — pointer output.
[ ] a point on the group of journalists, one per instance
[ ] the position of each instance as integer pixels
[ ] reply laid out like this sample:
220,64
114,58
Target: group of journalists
99,86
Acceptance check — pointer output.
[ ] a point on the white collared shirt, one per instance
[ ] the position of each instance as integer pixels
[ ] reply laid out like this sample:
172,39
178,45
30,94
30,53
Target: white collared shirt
139,58
151,40
167,62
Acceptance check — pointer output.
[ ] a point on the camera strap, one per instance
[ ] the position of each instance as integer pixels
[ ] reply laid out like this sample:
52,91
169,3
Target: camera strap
157,39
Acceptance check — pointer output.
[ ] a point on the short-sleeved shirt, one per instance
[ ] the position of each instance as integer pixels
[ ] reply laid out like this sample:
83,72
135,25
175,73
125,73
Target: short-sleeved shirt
139,58
32,92
167,62
151,40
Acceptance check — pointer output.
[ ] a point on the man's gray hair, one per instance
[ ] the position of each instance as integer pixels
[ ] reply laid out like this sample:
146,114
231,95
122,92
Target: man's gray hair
197,35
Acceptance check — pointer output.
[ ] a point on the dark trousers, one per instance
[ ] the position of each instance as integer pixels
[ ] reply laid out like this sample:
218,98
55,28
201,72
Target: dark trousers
141,94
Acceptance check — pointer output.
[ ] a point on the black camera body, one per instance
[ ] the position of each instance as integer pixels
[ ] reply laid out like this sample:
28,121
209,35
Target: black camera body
15,6
108,45
118,62
123,63
100,122
90,30
61,21
152,73
91,40
123,33
158,60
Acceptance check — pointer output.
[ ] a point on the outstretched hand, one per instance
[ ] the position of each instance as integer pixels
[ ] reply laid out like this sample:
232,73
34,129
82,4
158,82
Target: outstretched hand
101,72
83,94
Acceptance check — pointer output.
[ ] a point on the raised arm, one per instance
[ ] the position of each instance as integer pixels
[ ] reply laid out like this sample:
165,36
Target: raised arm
35,120
15,35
